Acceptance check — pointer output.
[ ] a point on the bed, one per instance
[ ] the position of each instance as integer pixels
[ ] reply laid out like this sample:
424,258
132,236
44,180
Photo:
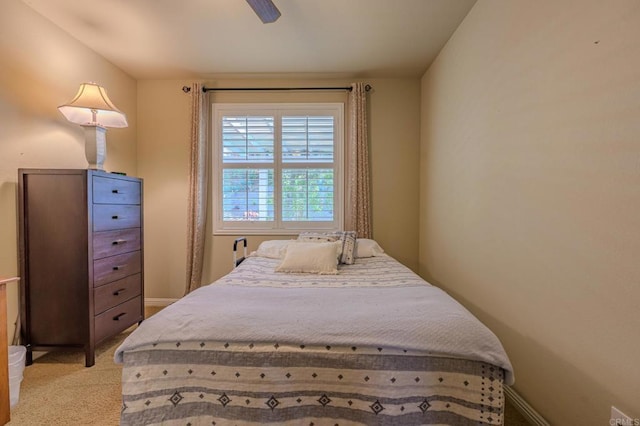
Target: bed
367,343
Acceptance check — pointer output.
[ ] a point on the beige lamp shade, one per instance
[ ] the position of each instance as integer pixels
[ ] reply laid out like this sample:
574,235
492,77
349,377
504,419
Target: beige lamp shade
94,111
92,106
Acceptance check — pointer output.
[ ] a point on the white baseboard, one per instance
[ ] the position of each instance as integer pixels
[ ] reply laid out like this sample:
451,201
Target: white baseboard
160,302
527,411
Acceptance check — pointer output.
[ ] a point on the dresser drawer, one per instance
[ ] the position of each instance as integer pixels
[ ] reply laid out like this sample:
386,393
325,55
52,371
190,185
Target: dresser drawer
116,267
118,318
115,191
111,243
112,294
107,217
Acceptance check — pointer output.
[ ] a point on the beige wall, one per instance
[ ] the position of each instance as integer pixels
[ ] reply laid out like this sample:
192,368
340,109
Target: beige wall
40,69
530,193
163,161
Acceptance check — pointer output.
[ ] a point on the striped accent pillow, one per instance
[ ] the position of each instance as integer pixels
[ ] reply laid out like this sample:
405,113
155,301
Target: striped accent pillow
347,238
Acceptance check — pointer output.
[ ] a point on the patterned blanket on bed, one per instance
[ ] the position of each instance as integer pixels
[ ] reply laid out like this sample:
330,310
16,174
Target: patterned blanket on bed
386,348
216,383
416,316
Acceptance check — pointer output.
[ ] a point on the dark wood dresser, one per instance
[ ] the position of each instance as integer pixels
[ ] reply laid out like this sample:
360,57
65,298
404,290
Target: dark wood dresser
81,258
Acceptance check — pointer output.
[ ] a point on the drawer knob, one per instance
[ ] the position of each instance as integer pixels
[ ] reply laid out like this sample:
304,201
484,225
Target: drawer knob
117,268
117,292
117,242
117,317
115,191
114,217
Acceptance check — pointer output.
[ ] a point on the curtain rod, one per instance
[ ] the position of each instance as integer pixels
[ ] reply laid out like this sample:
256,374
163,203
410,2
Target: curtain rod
187,89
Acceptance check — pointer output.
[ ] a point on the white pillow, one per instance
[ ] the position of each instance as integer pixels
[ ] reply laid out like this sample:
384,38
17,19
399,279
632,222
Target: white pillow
273,249
367,248
313,258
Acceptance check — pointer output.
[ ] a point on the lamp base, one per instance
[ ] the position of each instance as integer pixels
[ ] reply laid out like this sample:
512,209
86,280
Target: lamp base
95,145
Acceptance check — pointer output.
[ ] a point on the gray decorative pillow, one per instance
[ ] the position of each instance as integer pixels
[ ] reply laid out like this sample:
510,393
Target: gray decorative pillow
347,239
348,248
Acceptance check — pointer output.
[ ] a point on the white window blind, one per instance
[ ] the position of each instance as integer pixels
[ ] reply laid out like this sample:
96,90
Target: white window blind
307,139
307,195
247,139
247,194
277,167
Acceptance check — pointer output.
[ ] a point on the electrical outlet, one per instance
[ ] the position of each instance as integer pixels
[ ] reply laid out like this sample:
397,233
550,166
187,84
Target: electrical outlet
618,418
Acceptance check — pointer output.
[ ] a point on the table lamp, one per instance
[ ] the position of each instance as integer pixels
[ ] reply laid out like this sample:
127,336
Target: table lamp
93,110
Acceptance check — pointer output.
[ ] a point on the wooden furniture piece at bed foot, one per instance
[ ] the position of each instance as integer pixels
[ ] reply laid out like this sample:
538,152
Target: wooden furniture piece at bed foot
4,358
81,258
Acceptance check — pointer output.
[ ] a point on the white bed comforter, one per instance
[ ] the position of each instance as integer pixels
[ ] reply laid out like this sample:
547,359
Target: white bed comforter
399,310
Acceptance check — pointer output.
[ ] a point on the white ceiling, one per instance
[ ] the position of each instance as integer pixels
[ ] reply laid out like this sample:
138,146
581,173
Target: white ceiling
198,38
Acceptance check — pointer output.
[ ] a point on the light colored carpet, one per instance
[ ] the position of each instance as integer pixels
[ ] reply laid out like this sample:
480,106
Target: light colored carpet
57,390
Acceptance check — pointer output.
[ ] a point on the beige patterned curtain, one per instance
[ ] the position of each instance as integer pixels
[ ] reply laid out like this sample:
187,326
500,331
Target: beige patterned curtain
358,212
198,178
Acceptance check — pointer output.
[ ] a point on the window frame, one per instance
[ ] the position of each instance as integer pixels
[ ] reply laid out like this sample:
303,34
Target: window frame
277,110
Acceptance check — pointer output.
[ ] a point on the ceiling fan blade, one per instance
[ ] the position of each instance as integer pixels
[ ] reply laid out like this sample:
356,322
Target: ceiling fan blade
265,9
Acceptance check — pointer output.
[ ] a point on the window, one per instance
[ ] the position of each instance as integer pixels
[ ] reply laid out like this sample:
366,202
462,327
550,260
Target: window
277,167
